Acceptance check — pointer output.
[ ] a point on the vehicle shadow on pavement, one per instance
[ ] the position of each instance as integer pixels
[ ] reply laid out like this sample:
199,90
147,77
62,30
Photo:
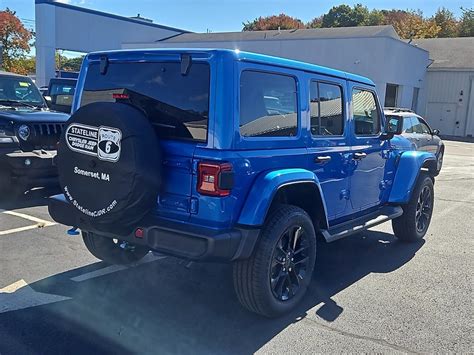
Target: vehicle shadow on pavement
166,307
31,198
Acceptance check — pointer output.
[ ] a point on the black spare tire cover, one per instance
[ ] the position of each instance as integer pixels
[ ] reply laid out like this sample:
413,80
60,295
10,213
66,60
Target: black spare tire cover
109,164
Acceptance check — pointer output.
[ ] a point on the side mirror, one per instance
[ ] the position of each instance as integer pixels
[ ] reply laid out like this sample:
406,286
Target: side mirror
386,136
436,132
394,125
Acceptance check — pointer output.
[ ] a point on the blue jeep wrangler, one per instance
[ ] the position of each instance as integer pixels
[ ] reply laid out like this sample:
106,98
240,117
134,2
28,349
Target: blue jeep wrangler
229,156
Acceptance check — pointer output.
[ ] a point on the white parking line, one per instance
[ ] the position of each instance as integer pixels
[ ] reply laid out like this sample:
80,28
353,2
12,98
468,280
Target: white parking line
30,218
40,223
114,268
20,229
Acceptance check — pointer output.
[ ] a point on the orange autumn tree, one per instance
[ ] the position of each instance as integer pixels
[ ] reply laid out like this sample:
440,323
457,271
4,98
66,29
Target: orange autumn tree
15,40
275,22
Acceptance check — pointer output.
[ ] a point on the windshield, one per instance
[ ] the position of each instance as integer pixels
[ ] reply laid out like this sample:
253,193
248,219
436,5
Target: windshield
19,91
176,104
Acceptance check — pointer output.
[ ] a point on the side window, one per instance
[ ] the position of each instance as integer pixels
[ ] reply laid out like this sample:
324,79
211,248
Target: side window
268,105
424,128
407,125
417,128
365,113
326,109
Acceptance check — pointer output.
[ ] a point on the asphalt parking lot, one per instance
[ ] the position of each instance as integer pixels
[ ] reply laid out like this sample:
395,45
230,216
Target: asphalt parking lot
370,292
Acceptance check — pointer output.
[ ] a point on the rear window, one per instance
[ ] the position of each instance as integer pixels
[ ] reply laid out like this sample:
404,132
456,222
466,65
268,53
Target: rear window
177,105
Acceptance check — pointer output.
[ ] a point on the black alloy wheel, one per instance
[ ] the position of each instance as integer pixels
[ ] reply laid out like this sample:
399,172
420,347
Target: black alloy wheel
290,263
423,210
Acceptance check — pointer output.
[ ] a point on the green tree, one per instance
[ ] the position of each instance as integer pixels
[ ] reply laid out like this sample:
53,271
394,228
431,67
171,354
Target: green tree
338,16
15,40
447,22
466,25
375,18
360,15
72,64
275,22
346,16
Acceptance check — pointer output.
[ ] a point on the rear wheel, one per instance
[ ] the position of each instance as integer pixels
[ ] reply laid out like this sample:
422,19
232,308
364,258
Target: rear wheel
413,224
275,278
113,251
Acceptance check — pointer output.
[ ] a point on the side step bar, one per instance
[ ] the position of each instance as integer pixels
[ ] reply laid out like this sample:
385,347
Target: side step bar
363,223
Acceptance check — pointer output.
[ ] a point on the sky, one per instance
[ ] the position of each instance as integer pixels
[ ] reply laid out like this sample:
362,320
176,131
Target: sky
227,15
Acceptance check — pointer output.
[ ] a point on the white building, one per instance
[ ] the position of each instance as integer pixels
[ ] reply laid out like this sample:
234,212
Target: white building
73,28
443,93
449,104
397,68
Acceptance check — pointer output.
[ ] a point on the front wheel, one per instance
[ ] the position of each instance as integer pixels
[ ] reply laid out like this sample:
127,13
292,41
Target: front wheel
275,278
9,189
113,251
439,161
413,224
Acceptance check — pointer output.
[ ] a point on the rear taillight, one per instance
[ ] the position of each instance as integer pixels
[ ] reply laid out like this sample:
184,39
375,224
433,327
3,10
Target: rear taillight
215,179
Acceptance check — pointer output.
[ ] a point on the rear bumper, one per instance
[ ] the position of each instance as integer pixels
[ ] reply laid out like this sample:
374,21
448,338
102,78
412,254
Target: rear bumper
169,237
36,168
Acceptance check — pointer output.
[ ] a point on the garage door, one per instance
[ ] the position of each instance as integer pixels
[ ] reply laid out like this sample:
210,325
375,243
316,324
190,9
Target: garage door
442,116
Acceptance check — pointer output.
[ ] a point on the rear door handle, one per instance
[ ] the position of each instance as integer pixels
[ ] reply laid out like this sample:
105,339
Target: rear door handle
359,156
322,159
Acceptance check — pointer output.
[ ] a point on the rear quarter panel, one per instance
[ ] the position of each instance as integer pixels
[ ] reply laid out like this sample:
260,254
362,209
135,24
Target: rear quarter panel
250,157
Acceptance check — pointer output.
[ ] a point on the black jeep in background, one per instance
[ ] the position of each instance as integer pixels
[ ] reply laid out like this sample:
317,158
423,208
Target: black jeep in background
61,92
29,133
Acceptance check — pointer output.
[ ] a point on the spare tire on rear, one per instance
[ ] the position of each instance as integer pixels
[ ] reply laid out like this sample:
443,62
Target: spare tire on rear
109,164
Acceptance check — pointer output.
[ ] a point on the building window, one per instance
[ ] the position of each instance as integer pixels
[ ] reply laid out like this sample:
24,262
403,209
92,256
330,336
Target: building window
365,113
326,109
414,101
268,105
391,93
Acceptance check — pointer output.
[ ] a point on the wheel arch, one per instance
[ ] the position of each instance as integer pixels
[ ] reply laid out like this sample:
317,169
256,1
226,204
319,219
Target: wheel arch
297,187
410,165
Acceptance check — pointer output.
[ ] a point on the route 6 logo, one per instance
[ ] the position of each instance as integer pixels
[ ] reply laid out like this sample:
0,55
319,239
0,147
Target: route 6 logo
109,144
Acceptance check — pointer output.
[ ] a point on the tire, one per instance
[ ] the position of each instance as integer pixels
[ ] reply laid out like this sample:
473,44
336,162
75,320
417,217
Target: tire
111,251
109,164
439,160
8,188
253,277
413,224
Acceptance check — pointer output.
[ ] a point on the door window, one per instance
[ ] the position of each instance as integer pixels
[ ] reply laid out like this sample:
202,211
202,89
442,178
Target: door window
425,128
365,113
268,105
327,117
407,125
417,128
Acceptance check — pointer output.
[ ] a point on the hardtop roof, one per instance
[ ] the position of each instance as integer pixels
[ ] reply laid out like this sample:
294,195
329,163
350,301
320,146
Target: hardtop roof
243,56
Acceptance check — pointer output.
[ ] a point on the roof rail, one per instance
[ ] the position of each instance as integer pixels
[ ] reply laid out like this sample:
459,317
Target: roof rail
398,109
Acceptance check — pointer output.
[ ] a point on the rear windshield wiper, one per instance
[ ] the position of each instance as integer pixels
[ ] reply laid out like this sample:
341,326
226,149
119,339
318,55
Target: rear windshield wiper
21,103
